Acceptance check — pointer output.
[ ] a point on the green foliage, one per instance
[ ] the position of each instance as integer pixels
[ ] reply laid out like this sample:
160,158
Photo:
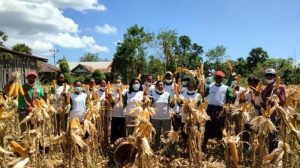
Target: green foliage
155,66
3,38
130,58
90,57
256,56
22,48
63,65
240,67
216,57
98,75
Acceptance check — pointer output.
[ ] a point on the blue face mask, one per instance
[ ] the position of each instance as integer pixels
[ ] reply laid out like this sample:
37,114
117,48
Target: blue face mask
136,87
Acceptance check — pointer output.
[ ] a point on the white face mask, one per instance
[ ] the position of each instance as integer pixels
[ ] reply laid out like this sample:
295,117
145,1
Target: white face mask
269,81
136,87
191,91
103,88
78,89
168,80
159,91
184,83
208,80
118,85
233,83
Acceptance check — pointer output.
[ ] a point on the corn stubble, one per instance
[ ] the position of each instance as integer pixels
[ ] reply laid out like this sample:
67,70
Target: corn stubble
41,146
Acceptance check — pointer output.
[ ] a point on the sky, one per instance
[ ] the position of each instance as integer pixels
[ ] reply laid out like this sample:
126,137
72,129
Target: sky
77,27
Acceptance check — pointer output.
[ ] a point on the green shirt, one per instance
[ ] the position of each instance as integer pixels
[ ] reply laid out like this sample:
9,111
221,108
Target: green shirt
21,100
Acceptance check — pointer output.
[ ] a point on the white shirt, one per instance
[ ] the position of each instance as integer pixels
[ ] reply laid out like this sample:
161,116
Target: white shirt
196,97
78,106
101,94
217,95
169,89
161,104
137,96
118,111
58,91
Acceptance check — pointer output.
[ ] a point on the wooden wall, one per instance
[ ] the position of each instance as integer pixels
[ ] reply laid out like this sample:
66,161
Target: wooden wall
10,63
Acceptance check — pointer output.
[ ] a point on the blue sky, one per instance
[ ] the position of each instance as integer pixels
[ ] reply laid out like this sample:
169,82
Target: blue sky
239,25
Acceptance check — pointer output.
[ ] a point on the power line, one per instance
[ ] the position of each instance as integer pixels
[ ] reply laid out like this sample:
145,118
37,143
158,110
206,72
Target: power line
54,52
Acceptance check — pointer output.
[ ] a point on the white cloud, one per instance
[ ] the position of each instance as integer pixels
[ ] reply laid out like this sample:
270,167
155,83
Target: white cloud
106,29
41,24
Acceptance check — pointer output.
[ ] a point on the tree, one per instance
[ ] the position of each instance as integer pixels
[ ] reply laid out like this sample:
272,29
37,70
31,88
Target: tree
63,65
256,55
3,38
167,42
130,58
215,57
22,48
155,66
240,67
98,75
90,57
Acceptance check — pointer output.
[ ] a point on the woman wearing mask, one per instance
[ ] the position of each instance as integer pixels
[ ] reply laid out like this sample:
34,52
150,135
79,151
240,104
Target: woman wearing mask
118,117
78,103
162,117
135,94
101,91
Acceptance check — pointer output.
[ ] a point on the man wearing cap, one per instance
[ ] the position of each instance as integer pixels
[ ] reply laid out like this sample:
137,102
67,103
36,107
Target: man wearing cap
268,91
218,95
31,92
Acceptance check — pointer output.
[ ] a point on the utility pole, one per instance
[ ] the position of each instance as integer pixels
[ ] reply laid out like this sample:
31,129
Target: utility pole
54,51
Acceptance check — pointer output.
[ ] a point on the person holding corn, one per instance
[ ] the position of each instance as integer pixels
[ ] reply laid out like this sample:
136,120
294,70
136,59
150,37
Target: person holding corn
273,87
26,101
217,95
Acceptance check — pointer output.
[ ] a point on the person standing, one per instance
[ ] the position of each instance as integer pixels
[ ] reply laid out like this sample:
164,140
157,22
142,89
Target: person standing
269,90
60,101
162,117
118,116
78,103
134,95
31,93
218,95
101,91
149,83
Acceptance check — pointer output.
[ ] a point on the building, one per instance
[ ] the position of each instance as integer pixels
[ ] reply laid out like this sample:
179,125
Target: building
47,72
89,67
11,61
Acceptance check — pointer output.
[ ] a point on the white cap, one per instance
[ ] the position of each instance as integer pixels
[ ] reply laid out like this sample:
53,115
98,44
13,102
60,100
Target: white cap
270,71
169,72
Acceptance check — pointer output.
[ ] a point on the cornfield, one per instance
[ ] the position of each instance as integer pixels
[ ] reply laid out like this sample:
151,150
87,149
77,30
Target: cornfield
85,144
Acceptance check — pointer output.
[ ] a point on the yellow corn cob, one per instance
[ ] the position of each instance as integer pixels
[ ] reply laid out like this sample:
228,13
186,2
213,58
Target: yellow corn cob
89,115
277,82
65,87
234,152
36,103
42,102
1,111
289,101
12,89
259,86
229,66
88,92
139,76
177,70
244,107
75,123
16,91
202,86
146,89
201,68
68,98
90,104
21,91
120,94
179,87
238,80
18,148
54,85
243,95
95,95
203,105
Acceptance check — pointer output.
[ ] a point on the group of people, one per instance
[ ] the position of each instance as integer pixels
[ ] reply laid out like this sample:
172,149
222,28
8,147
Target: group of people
161,93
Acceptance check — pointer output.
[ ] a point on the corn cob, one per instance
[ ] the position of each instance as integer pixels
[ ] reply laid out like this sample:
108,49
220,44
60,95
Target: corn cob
229,66
202,87
252,94
18,148
16,91
68,98
75,123
120,94
65,88
244,107
203,105
54,85
21,91
259,86
243,95
234,152
88,92
179,87
238,80
36,103
95,95
89,115
175,89
289,101
12,89
277,82
139,76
